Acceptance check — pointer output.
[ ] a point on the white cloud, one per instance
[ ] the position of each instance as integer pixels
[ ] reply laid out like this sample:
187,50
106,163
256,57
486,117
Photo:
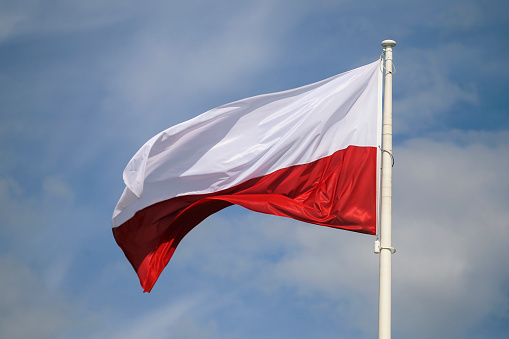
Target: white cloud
176,63
28,310
174,320
56,188
466,15
18,212
450,226
40,18
426,90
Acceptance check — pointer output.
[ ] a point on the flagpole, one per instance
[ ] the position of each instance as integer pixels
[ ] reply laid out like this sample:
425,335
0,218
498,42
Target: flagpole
386,250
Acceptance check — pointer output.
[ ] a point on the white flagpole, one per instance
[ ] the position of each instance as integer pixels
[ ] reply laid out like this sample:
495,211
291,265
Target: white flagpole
386,250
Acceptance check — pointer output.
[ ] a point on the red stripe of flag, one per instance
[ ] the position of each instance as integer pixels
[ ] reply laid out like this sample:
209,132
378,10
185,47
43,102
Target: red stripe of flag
337,191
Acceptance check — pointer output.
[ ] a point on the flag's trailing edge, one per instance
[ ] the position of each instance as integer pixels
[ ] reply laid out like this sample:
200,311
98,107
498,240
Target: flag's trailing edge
309,153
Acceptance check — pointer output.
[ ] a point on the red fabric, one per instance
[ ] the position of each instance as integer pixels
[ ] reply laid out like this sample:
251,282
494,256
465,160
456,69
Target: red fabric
337,191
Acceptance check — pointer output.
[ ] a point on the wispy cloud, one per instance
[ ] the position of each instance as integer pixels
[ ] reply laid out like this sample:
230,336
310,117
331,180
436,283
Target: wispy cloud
450,226
28,309
174,320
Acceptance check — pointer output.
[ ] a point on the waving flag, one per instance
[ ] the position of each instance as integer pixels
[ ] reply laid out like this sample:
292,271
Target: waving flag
308,153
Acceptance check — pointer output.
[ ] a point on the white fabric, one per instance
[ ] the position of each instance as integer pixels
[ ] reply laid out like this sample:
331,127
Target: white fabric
253,137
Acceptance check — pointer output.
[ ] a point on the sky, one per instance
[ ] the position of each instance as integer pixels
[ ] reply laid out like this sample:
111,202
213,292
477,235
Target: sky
83,85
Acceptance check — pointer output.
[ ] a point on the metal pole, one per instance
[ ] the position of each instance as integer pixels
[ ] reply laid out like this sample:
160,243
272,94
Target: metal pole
386,250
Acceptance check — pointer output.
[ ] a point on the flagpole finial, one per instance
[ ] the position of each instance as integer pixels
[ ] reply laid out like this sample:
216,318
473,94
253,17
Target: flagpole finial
388,43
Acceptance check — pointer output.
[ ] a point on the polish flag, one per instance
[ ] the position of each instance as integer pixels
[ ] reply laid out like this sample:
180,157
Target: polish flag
309,153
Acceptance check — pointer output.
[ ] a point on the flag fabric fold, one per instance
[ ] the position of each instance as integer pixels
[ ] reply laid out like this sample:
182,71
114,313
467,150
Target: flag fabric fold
309,153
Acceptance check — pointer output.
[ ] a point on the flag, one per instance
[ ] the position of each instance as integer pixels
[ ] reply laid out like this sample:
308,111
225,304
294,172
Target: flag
308,153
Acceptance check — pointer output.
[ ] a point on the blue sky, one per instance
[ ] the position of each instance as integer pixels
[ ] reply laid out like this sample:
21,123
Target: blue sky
85,83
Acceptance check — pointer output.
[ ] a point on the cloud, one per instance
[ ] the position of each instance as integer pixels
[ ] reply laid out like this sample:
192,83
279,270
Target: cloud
466,16
55,187
450,226
18,214
28,310
427,91
39,18
173,320
176,65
